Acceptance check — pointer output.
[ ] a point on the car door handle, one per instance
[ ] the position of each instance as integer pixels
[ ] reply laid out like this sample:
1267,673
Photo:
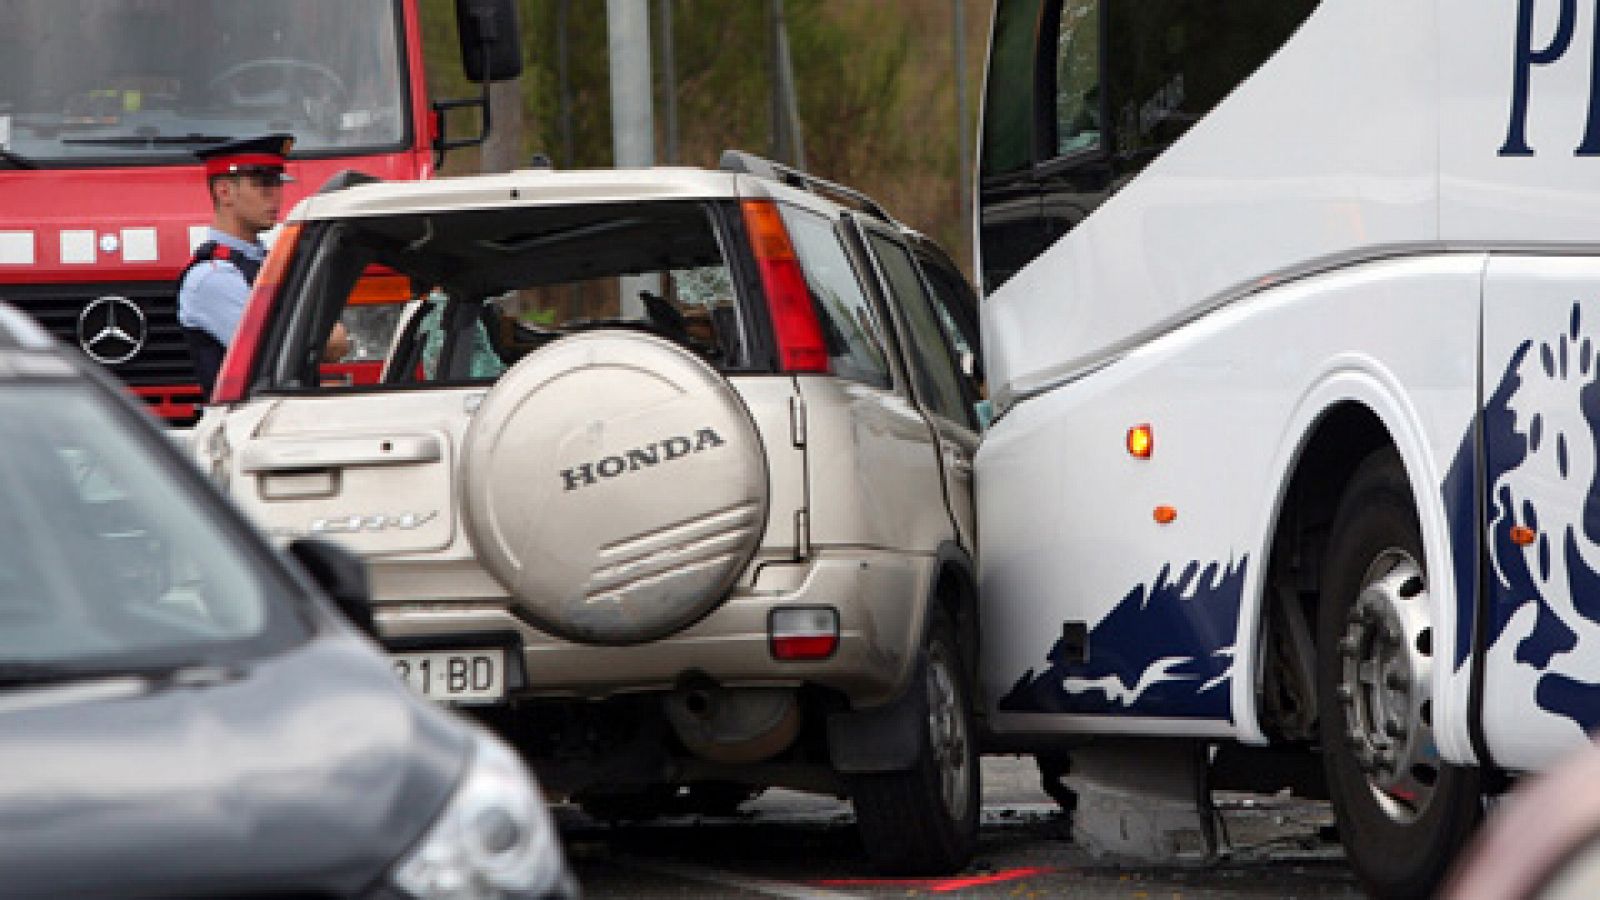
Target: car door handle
958,462
285,454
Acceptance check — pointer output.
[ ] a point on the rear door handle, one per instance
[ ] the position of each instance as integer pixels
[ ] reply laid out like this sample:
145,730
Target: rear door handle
958,462
288,454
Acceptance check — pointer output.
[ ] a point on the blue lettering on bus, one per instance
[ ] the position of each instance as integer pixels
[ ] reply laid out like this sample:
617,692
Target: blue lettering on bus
1526,57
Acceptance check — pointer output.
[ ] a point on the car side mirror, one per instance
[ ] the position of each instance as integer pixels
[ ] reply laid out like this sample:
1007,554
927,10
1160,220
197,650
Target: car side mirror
342,576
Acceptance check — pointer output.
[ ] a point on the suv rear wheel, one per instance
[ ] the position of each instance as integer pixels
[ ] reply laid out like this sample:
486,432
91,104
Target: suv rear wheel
924,821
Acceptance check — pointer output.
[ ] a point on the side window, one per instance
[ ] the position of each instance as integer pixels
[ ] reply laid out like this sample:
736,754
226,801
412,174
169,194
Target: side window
938,385
1169,62
1077,93
955,307
1007,144
851,329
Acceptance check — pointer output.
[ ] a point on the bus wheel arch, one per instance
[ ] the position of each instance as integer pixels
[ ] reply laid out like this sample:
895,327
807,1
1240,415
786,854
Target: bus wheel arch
1342,437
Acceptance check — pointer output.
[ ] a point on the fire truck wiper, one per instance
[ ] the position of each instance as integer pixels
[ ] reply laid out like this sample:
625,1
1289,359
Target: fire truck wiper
16,160
153,140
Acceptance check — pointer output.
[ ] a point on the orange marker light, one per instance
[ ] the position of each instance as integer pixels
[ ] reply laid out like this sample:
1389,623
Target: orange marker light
1141,441
1522,535
1166,514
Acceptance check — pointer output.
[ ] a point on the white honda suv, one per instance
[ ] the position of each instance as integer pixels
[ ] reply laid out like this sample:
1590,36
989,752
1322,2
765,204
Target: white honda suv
664,472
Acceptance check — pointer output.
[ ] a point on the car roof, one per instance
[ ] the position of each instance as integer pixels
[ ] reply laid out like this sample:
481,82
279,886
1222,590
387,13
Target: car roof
527,187
545,187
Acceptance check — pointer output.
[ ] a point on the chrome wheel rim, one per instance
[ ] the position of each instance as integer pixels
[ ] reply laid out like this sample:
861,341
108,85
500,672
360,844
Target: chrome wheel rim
947,733
1385,685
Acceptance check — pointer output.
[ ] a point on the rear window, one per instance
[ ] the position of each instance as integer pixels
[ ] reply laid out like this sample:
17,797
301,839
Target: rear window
460,296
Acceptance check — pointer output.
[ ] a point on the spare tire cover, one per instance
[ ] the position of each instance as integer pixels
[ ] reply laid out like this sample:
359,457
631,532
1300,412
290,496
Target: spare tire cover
615,485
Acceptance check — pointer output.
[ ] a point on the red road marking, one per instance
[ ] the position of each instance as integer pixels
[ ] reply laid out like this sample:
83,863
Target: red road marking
940,885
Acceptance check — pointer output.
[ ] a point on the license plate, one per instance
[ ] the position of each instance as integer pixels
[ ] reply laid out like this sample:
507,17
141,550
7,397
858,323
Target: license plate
457,676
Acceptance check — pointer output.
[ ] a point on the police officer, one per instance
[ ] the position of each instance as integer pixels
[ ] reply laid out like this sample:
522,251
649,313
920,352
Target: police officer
245,179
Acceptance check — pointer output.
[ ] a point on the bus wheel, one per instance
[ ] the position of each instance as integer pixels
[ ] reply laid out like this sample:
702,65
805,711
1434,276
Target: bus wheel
1402,812
924,821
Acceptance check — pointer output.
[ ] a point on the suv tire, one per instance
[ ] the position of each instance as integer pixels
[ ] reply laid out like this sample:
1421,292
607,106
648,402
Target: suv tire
924,821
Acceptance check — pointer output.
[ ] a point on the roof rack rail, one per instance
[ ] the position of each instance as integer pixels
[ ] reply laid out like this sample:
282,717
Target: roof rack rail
761,167
346,178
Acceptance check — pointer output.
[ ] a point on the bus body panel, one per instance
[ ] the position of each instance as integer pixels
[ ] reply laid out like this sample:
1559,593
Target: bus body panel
1172,611
1269,182
1541,419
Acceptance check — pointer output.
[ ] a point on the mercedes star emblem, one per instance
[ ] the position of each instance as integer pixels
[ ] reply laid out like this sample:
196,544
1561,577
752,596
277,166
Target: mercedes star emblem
112,330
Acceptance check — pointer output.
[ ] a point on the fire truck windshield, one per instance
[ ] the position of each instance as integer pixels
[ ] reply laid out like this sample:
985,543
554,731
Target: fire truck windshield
130,82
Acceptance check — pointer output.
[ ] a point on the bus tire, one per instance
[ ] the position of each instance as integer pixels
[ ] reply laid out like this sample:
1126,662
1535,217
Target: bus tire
924,821
1403,814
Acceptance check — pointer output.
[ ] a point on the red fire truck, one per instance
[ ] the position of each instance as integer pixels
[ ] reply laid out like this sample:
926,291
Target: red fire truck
103,103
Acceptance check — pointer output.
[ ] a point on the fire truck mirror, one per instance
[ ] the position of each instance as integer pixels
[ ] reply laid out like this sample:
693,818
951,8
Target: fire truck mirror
491,41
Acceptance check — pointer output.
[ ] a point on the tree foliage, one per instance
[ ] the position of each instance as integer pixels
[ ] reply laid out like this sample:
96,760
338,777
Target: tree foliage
876,86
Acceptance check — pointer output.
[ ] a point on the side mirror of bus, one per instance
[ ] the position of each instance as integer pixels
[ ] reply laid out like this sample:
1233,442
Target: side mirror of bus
491,41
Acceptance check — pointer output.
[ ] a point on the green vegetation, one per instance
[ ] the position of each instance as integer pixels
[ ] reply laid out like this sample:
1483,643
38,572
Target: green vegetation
875,81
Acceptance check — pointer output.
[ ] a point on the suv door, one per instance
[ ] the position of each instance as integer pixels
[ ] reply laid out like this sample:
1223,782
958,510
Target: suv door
947,396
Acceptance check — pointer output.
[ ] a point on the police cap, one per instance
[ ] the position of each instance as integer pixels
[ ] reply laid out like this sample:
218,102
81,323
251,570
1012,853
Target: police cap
263,155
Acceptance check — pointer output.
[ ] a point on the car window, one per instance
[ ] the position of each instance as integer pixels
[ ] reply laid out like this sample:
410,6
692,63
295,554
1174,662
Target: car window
103,554
953,304
480,289
938,384
850,327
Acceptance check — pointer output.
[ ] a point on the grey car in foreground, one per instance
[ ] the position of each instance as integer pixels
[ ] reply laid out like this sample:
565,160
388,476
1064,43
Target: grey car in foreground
182,711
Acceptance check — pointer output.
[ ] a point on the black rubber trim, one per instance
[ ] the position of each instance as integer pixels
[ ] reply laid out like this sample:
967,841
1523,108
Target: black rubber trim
1480,603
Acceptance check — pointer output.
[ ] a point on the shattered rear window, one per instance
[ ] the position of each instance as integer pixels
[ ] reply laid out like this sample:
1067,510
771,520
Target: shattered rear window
461,296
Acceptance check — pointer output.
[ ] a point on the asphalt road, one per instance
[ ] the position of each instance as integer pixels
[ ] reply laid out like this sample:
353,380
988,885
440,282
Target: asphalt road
801,847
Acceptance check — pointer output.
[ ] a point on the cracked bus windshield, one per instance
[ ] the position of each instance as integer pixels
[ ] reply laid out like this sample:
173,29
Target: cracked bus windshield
153,80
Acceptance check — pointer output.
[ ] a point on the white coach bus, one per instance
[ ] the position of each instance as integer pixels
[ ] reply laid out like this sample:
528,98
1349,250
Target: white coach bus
1292,326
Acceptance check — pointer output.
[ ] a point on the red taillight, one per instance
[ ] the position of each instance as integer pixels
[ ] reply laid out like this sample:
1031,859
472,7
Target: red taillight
805,632
794,317
241,356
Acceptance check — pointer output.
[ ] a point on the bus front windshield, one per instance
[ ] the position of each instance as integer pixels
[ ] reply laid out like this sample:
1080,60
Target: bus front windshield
151,81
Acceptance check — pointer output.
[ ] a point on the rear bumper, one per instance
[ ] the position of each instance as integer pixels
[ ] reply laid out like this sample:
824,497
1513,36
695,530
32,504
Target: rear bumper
881,599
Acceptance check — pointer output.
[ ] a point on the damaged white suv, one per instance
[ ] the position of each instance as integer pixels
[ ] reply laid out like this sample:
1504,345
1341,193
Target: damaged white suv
664,472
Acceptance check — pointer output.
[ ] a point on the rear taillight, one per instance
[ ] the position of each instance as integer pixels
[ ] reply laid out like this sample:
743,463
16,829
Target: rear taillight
794,317
241,356
803,632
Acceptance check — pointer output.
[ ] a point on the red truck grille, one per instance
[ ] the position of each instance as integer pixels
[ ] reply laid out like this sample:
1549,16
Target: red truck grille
155,363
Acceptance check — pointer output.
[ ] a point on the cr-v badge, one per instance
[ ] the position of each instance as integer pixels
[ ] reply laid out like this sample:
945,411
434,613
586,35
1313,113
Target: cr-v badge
372,522
112,330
